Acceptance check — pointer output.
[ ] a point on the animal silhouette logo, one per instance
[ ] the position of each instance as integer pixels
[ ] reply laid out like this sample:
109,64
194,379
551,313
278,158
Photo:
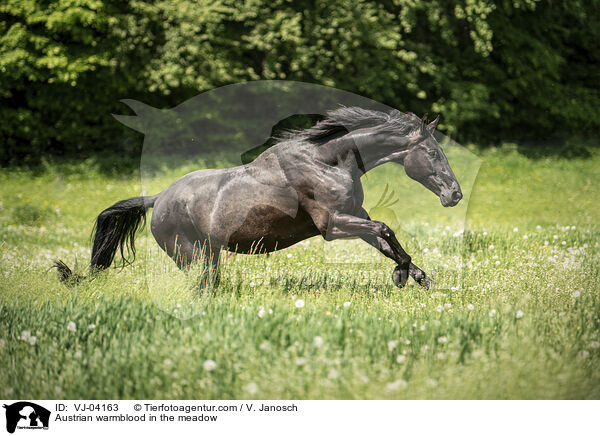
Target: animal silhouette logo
26,415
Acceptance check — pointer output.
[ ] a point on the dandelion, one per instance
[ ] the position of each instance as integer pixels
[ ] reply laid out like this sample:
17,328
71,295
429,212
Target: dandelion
318,341
439,308
252,284
169,363
289,255
576,294
264,345
516,229
92,326
347,304
333,374
251,388
396,385
401,358
484,233
392,345
32,340
470,306
493,313
491,247
261,312
300,361
538,227
71,326
525,237
442,339
519,314
299,303
209,365
584,354
555,236
25,335
497,262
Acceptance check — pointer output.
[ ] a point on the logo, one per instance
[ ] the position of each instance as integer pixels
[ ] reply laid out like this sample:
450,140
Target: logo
26,415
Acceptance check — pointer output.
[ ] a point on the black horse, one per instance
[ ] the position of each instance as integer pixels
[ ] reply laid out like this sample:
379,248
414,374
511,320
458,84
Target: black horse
307,184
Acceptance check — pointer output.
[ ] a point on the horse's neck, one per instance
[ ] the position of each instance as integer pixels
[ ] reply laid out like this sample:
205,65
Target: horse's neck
362,149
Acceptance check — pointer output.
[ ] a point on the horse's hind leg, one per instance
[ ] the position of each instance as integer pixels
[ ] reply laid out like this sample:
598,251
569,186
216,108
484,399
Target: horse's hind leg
210,273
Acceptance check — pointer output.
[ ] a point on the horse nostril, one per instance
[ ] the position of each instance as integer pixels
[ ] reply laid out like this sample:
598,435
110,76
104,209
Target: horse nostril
456,196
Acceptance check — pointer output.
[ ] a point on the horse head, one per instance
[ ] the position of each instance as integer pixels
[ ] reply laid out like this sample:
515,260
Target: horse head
426,163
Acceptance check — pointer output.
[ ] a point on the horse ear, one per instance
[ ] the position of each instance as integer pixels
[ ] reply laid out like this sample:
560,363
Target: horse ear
431,126
423,123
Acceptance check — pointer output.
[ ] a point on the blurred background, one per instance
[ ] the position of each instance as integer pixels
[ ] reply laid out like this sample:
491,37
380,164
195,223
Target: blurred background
523,71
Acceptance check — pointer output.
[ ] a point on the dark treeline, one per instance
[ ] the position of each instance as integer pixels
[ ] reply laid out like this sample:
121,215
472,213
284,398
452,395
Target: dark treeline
521,70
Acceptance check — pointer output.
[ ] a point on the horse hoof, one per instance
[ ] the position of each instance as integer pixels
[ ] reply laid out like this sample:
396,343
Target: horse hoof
400,276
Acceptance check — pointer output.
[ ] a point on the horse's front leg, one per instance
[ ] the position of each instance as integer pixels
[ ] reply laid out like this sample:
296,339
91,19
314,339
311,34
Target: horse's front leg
414,271
336,225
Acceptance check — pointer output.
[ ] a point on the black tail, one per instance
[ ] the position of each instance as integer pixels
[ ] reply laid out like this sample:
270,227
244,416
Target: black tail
114,230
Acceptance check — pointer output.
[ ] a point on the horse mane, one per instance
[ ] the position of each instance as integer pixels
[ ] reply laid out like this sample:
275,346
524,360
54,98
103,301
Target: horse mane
343,120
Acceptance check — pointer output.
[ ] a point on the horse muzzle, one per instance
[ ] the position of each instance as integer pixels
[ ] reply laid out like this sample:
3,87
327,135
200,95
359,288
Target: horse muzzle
451,197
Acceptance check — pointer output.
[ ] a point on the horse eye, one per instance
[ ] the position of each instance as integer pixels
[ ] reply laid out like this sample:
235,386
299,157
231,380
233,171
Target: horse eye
433,153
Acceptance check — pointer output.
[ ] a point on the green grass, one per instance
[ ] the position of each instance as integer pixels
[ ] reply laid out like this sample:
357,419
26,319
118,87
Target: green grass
153,333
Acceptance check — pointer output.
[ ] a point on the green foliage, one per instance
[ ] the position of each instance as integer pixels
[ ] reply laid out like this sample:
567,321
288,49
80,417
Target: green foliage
519,70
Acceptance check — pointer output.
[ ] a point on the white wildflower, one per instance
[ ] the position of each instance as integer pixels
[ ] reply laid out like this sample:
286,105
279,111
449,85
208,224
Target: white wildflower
299,303
318,341
92,326
401,358
442,339
493,313
394,386
209,365
392,345
519,314
71,326
347,304
251,388
261,312
470,306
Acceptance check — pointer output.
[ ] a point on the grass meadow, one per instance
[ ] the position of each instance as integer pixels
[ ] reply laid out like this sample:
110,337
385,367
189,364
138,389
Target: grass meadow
514,312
